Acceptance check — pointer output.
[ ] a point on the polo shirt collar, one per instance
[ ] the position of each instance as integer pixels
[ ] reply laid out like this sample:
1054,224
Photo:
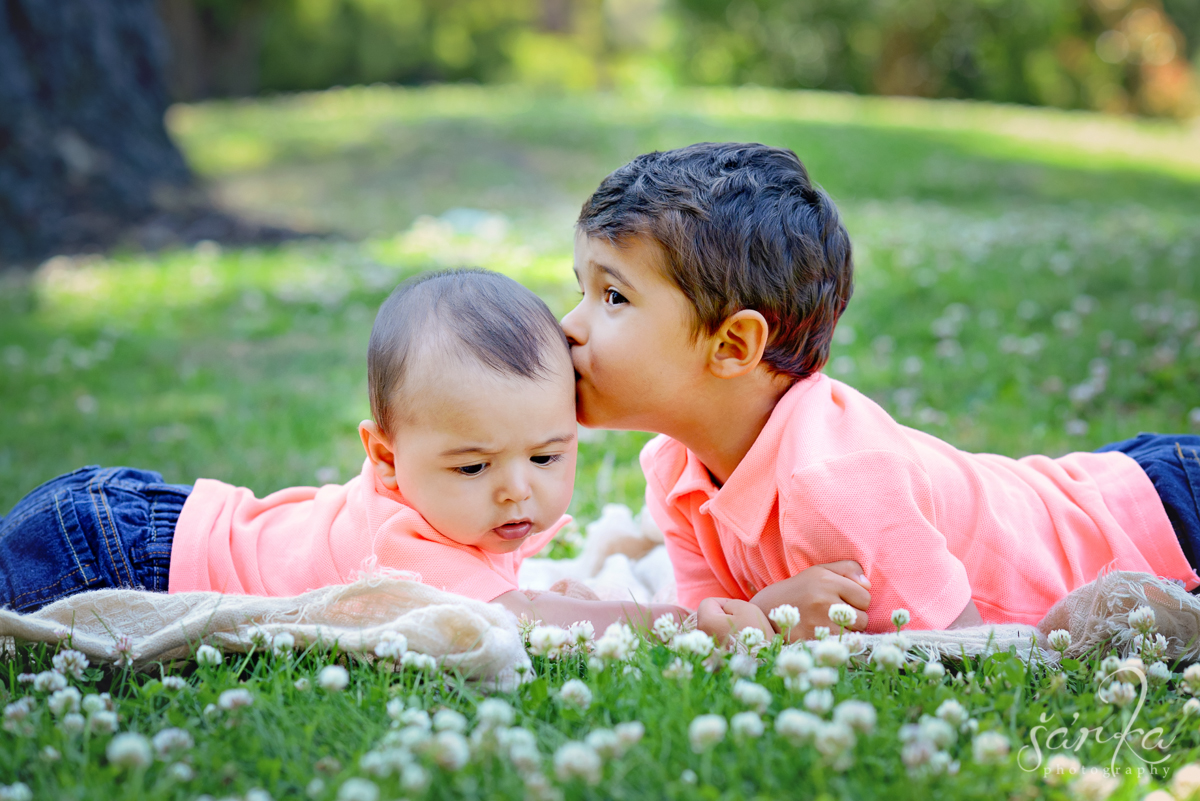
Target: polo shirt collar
747,499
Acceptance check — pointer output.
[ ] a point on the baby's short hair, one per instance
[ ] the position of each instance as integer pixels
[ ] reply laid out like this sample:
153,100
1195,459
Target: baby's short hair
742,227
476,314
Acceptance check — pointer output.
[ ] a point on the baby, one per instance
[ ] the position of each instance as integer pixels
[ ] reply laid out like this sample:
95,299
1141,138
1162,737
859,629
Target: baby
470,468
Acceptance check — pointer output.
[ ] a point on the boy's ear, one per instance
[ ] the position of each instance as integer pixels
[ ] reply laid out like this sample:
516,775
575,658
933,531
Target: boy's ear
738,345
379,451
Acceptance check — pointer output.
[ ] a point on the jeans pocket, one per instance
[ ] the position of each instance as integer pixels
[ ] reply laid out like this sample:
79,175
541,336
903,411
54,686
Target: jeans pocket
45,554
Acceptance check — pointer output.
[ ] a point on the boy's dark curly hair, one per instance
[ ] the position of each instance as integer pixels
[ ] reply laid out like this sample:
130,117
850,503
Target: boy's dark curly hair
741,227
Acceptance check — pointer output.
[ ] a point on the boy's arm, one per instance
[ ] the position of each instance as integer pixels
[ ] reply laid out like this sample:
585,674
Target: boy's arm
559,610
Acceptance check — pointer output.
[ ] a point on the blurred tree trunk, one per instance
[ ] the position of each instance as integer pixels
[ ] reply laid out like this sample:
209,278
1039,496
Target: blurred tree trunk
83,148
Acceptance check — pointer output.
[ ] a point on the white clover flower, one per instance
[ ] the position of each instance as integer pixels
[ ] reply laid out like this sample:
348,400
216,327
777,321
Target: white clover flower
282,644
843,615
751,640
858,715
94,703
695,642
414,778
17,791
1153,649
1109,665
391,645
231,700
63,701
793,663
103,722
1142,620
575,693
49,681
129,750
207,655
751,694
169,742
423,663
175,683
917,753
1094,785
1060,640
936,730
823,678
746,726
414,718
1186,782
356,789
835,741
934,670
952,712
1158,674
1118,693
450,750
16,712
257,794
302,684
821,633
1060,769
818,701
333,678
797,727
666,627
630,733
122,649
581,634
705,731
50,754
743,665
831,653
547,641
604,742
786,617
181,772
618,643
1191,678
70,663
575,760
887,657
72,723
990,748
900,618
495,712
1191,707
449,720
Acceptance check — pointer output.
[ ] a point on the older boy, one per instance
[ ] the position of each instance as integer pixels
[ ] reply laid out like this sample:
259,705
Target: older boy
712,279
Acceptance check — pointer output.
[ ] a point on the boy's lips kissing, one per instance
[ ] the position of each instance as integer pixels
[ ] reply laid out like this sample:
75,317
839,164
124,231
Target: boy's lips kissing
514,530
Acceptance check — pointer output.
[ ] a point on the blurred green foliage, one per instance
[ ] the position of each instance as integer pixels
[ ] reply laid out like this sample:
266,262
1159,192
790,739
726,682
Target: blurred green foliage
1112,55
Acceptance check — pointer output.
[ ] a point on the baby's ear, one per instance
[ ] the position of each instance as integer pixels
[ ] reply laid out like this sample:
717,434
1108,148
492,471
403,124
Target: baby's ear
379,451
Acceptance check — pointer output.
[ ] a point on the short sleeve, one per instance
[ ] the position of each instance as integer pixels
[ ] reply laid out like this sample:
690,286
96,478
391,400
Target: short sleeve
877,507
694,577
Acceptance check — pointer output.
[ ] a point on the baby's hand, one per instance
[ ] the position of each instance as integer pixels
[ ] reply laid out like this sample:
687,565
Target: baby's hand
722,618
814,590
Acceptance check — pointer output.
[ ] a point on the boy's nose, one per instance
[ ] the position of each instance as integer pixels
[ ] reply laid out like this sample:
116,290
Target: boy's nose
516,488
572,326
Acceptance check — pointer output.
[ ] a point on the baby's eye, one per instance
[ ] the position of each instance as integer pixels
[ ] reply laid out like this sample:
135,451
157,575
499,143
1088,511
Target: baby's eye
471,469
549,458
614,297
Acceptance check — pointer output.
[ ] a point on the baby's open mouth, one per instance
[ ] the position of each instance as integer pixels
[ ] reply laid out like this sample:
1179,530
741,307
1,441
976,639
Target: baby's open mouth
514,530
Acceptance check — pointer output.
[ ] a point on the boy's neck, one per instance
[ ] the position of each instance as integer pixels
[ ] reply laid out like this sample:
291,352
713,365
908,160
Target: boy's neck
722,428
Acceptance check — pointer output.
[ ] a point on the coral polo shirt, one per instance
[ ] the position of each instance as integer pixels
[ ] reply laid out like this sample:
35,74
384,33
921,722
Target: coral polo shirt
832,476
303,538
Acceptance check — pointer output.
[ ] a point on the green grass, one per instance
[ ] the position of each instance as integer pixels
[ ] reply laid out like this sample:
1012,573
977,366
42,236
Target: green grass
1028,282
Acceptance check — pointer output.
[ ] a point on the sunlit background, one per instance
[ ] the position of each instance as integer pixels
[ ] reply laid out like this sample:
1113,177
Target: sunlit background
1028,278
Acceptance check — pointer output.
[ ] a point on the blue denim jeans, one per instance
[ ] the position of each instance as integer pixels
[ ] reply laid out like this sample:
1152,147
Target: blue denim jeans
92,529
1172,461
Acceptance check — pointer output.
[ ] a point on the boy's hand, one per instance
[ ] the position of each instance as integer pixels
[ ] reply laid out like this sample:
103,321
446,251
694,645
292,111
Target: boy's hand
721,618
814,590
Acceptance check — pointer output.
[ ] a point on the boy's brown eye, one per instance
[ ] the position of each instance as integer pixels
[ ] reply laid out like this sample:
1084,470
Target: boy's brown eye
471,469
544,460
613,296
